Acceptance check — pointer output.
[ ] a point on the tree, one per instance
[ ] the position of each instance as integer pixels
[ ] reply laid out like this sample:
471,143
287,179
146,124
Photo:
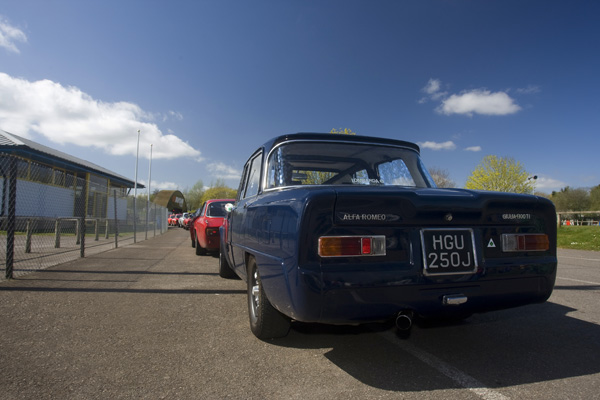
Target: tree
569,199
344,131
218,190
500,174
595,198
441,177
193,196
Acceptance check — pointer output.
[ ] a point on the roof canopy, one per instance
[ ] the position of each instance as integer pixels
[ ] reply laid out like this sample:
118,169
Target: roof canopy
173,200
13,144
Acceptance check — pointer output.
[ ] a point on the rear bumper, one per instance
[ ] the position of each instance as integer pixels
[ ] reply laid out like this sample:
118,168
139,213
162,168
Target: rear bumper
339,302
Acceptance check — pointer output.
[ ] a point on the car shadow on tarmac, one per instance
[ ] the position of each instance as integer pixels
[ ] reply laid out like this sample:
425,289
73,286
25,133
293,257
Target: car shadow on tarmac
506,348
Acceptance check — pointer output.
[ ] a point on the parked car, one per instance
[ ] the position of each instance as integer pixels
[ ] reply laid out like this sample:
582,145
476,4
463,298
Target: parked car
205,236
188,219
182,218
175,220
342,229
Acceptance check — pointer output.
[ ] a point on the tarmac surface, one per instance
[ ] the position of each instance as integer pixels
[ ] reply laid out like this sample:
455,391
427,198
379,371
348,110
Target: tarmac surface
153,320
126,323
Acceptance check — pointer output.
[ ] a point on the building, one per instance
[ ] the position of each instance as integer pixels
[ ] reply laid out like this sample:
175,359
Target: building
54,184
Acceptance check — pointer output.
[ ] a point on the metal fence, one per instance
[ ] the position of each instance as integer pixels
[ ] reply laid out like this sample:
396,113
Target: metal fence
49,217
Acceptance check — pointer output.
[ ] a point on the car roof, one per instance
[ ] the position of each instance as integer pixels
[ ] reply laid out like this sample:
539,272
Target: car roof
329,137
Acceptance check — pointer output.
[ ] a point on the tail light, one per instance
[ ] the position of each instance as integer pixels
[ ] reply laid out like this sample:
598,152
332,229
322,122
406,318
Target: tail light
348,246
212,231
525,242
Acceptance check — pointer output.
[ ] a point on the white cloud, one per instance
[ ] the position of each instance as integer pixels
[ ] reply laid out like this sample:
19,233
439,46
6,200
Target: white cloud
479,101
68,115
9,35
433,90
548,184
530,89
449,145
433,86
156,185
473,148
220,170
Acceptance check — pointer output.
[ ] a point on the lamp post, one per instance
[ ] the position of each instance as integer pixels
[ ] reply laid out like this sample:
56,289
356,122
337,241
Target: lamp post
149,181
534,178
137,154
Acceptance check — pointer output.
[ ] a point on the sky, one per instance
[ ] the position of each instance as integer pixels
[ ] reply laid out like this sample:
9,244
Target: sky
207,82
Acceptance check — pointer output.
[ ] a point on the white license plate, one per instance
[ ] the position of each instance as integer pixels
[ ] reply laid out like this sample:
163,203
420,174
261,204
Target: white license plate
448,251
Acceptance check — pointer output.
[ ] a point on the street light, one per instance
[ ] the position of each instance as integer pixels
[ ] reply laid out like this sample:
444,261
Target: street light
148,204
534,178
137,154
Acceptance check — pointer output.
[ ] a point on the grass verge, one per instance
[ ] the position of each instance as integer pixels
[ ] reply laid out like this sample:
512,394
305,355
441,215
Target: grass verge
579,237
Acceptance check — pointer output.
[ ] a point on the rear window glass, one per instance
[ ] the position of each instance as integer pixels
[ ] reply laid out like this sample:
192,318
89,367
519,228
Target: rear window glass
334,163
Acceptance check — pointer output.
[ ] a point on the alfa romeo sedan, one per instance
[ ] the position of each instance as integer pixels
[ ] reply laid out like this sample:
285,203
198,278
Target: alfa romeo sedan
342,229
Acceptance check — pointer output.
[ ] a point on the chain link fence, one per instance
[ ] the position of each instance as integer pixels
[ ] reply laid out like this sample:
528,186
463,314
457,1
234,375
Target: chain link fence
49,216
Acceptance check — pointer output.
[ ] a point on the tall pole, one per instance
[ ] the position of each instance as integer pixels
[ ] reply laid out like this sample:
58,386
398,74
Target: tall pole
137,154
149,181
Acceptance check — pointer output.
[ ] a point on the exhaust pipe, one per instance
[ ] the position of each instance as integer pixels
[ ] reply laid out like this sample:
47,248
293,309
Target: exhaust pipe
404,320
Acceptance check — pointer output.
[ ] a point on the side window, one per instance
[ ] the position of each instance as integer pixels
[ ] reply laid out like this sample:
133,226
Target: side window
242,188
253,179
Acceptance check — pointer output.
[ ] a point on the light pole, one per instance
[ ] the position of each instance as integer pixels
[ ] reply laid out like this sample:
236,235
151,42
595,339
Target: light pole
137,154
534,178
149,181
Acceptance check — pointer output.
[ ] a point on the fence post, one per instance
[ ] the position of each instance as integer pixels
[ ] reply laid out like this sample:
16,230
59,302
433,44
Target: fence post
57,233
77,232
116,221
81,235
106,230
12,217
29,231
96,231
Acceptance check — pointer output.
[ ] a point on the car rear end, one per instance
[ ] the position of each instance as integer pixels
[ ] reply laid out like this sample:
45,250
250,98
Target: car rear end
368,253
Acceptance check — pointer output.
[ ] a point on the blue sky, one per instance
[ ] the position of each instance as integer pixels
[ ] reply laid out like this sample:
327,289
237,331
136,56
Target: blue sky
206,82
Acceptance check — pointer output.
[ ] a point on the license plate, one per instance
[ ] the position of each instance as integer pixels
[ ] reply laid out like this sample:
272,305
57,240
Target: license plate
448,251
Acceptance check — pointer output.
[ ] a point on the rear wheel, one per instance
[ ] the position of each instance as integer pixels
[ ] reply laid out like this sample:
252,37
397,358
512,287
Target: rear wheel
265,321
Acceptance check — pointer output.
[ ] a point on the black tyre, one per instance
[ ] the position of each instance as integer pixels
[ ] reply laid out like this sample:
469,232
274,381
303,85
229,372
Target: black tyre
193,240
225,270
200,251
265,321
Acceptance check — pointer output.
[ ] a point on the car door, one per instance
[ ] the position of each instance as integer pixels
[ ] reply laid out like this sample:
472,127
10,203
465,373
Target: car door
238,220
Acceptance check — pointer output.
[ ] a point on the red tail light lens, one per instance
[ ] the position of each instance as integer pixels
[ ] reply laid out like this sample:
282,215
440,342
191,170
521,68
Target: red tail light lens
348,246
212,231
512,242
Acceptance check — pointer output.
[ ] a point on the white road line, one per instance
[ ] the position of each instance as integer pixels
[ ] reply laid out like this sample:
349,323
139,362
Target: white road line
577,280
461,378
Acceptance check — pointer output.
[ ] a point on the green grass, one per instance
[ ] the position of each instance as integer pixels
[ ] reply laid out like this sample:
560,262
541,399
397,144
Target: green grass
579,237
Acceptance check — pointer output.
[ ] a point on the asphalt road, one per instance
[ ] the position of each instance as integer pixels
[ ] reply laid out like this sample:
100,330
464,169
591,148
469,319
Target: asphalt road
153,320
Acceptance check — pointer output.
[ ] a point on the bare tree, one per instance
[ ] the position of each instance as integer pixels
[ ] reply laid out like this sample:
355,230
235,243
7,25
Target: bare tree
441,177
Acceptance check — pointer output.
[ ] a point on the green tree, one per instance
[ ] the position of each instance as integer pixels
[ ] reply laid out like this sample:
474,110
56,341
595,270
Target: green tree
344,131
569,199
500,174
595,198
218,190
441,177
193,196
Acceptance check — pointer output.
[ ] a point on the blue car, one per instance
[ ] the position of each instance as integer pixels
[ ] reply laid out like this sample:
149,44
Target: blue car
344,229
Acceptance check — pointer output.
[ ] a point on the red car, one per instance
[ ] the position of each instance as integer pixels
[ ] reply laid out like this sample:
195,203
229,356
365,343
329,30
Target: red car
205,227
